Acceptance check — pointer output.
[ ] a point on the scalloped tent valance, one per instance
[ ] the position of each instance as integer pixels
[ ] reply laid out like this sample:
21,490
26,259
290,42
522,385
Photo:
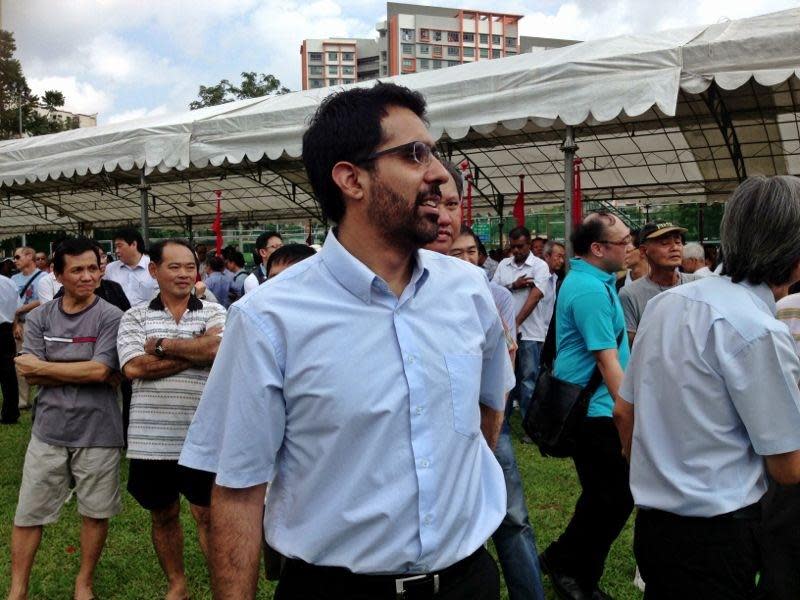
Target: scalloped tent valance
593,82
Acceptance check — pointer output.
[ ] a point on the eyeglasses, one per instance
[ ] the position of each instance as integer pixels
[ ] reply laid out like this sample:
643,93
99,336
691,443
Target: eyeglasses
626,241
17,257
419,152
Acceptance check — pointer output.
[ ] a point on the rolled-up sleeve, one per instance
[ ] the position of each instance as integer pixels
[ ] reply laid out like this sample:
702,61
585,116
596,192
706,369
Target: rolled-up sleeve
239,424
497,376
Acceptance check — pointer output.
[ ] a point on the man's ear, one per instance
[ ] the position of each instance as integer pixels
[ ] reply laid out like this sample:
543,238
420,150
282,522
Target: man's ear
152,267
350,179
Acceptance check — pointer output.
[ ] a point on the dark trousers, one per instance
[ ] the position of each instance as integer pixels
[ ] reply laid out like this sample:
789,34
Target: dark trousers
8,375
301,581
127,393
696,557
779,543
602,509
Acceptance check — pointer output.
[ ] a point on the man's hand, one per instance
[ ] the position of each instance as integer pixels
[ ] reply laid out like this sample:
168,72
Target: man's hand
150,346
199,289
17,330
491,423
523,281
28,365
114,379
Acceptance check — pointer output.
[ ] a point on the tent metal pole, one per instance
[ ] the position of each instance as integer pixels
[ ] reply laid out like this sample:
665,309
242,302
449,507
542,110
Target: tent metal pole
569,148
143,187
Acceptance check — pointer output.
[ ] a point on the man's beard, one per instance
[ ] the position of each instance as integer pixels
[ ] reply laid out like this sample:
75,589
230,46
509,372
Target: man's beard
402,226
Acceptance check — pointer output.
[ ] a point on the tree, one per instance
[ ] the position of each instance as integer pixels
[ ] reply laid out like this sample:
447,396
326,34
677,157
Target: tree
21,110
254,85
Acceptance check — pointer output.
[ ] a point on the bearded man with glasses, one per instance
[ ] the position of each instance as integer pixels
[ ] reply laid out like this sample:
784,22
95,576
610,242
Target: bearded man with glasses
367,366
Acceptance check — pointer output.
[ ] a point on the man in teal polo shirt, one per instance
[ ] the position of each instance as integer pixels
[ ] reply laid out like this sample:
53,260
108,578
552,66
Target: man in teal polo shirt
591,332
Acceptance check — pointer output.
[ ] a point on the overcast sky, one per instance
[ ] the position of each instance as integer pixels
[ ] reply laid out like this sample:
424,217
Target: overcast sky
130,58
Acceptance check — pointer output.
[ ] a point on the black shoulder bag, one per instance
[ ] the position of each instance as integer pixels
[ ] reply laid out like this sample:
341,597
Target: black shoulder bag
557,406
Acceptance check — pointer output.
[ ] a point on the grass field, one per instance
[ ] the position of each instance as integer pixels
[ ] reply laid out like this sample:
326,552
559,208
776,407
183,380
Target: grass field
129,570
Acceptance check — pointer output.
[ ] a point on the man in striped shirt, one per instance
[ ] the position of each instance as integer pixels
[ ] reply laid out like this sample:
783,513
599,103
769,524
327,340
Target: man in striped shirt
166,347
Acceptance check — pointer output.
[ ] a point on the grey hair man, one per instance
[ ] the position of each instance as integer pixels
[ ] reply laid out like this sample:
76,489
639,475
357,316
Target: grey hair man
694,257
702,449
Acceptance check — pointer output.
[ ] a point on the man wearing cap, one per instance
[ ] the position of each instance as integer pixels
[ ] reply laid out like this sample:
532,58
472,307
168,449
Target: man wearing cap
662,247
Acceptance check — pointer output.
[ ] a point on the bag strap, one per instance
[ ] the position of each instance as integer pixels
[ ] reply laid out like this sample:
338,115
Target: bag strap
596,380
28,284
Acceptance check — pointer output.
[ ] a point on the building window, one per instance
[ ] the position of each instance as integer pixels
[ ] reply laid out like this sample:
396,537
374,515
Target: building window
333,70
383,54
348,56
453,36
437,64
408,63
437,36
484,53
510,53
316,83
424,49
484,38
495,40
384,70
425,35
453,51
469,51
408,48
407,35
315,70
331,82
346,81
437,50
469,37
511,42
495,53
348,70
333,57
424,64
315,57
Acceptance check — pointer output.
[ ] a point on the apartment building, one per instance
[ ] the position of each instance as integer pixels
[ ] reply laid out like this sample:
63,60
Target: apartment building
416,38
336,61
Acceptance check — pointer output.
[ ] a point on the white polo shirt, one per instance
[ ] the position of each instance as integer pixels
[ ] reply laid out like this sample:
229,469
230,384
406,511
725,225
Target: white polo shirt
508,272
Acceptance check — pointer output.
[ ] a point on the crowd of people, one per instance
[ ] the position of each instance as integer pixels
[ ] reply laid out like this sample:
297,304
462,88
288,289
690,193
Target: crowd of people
365,390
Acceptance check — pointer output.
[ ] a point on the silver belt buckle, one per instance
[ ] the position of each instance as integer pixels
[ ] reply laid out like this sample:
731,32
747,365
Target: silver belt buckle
400,584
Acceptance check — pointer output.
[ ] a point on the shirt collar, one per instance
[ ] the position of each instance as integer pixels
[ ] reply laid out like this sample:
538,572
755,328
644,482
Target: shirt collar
194,303
355,276
763,293
582,266
142,264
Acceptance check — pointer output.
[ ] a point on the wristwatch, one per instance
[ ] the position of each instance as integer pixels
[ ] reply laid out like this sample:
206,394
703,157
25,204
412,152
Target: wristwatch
159,350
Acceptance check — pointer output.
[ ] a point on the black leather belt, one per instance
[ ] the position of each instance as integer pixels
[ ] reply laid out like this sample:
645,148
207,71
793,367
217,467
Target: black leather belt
400,586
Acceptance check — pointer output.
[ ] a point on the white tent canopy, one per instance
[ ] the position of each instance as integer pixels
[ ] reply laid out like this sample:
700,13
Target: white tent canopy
680,115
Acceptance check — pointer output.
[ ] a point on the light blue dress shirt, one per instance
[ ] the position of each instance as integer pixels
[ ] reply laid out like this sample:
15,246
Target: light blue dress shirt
363,411
713,379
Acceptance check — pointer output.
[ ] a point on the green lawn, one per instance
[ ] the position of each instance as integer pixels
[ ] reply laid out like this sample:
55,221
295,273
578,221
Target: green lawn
129,569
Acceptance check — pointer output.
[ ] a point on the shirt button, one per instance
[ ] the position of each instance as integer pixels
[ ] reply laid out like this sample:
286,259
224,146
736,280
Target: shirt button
427,520
424,463
418,410
411,359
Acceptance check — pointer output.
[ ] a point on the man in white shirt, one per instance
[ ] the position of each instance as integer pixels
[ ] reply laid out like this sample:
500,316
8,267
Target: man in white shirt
47,285
266,244
131,268
527,277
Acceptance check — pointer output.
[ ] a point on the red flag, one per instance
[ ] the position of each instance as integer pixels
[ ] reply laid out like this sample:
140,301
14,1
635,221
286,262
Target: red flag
577,195
469,200
519,205
217,226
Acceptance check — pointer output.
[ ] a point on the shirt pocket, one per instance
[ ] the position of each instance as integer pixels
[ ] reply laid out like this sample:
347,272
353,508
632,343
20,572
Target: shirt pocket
464,371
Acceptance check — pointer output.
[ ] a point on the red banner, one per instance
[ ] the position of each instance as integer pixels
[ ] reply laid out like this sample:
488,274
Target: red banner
577,195
466,216
217,226
519,205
